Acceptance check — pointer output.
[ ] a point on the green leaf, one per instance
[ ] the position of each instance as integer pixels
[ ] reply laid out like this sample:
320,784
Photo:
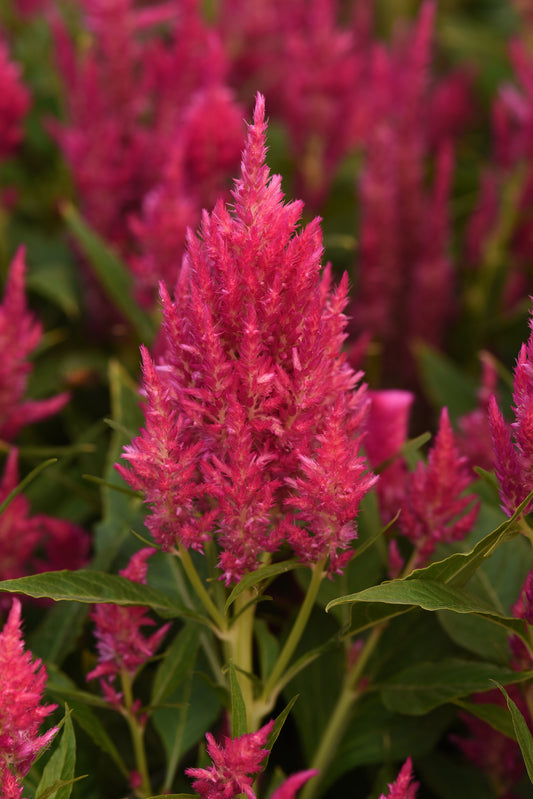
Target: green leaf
178,661
433,596
281,718
94,587
496,716
523,735
425,686
260,575
239,724
111,272
58,774
23,483
444,383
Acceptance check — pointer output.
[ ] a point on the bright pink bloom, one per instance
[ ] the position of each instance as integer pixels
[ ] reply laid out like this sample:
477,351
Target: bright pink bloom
474,437
435,508
34,543
147,91
253,418
402,787
22,684
513,444
121,645
289,788
14,103
522,609
388,424
20,334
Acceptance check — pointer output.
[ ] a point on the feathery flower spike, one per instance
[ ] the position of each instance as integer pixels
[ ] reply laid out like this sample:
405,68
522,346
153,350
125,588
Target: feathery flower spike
435,508
254,419
403,788
22,684
20,333
513,444
121,645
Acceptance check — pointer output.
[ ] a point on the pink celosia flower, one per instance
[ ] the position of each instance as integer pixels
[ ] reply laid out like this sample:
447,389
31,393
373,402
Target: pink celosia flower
22,683
402,787
513,445
388,423
34,543
522,609
474,437
14,103
253,419
435,508
20,333
236,762
121,645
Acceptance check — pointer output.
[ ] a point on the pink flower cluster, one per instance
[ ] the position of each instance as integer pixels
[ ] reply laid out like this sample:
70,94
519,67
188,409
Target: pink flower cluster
150,119
236,763
20,334
122,646
403,787
435,508
513,444
34,543
253,418
14,102
22,684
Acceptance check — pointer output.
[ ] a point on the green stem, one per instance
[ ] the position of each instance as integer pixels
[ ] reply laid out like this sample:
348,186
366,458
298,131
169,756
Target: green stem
340,716
525,528
240,652
200,590
205,640
137,738
271,688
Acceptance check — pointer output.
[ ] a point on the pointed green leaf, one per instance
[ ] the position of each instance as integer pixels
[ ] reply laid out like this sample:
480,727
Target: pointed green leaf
94,587
280,720
496,716
423,687
239,724
112,274
260,575
23,483
523,735
60,766
178,661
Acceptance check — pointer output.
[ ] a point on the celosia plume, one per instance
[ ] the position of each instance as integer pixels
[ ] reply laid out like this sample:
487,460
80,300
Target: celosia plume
435,508
121,644
20,334
22,684
34,543
14,103
236,762
403,787
254,419
513,444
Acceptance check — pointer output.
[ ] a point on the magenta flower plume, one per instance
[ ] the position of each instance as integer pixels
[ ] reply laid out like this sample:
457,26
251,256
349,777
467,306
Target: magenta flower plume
34,543
403,788
22,684
14,103
290,786
388,424
121,645
254,419
20,333
513,444
435,508
235,764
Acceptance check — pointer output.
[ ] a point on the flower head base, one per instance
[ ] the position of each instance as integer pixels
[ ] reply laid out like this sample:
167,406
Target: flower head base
435,508
20,333
121,645
22,683
403,788
254,419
